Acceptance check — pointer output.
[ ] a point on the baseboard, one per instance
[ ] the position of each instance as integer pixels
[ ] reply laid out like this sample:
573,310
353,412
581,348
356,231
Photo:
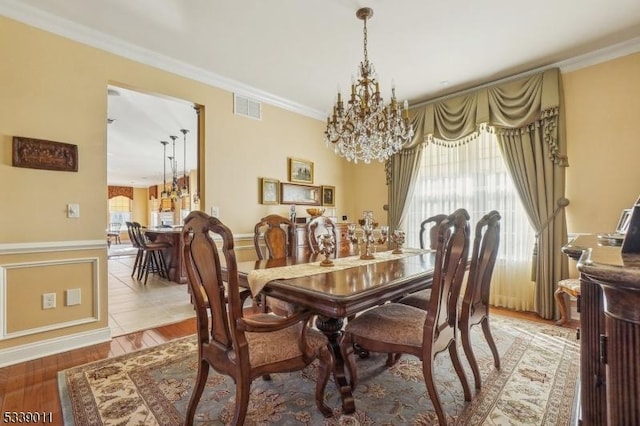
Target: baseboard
48,347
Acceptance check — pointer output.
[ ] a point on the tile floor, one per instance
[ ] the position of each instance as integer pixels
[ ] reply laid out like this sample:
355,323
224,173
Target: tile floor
134,306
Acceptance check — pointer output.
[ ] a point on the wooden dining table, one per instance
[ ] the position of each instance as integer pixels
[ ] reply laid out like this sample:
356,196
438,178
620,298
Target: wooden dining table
338,294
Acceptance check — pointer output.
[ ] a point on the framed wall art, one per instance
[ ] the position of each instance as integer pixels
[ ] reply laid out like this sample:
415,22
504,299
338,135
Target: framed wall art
300,171
45,155
328,196
293,193
269,191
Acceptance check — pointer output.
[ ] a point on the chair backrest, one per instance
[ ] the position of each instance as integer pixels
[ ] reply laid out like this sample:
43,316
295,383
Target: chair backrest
320,225
216,308
139,236
115,227
483,258
452,252
433,231
132,235
279,236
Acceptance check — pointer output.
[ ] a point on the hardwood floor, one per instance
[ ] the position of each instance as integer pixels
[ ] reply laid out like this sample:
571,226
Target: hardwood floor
33,385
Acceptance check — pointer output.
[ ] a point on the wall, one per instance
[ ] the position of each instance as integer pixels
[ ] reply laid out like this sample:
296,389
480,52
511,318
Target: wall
56,89
602,104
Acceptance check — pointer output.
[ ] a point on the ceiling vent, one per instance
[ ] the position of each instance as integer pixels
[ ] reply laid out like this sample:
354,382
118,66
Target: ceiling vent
247,107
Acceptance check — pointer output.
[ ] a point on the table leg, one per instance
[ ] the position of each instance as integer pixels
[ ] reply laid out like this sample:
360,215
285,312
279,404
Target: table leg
332,327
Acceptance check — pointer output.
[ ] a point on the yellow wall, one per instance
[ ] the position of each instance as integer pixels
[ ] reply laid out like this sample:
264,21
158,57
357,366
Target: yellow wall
602,111
56,89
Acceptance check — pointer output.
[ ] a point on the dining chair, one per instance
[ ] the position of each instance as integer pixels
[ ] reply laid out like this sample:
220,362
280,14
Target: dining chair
432,231
114,232
277,235
396,328
475,302
152,255
231,343
320,225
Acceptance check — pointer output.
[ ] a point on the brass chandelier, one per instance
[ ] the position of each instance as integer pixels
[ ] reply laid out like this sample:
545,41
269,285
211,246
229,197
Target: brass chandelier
368,130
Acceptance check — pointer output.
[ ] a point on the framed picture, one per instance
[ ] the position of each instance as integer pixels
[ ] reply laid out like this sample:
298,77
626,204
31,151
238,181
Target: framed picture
269,191
293,193
328,196
300,170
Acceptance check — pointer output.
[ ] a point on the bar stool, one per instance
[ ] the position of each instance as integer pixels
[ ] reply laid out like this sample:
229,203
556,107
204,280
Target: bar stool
153,257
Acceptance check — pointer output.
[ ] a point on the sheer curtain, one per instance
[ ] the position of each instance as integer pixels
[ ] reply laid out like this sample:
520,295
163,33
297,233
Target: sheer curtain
473,175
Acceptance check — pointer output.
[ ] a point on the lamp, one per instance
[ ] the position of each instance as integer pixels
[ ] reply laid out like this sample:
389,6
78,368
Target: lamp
184,190
165,201
368,130
173,162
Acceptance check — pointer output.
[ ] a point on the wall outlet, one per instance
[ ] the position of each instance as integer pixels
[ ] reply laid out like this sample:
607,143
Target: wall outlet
48,300
215,212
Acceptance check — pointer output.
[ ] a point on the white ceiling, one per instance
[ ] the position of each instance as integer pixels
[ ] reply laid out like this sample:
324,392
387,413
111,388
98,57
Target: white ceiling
295,53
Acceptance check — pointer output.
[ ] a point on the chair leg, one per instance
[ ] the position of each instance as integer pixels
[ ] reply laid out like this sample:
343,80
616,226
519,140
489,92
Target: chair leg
465,330
243,387
562,305
201,381
324,371
486,329
457,365
427,371
137,262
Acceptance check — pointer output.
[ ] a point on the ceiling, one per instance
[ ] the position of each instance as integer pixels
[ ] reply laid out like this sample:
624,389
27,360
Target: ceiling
295,54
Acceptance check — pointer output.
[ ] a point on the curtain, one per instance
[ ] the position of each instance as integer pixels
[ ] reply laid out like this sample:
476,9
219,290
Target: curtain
475,176
529,107
402,170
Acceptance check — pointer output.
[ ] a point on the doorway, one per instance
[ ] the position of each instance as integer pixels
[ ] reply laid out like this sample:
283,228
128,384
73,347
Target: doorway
152,150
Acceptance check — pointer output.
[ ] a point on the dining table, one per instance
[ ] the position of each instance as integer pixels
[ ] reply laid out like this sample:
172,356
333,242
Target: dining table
334,293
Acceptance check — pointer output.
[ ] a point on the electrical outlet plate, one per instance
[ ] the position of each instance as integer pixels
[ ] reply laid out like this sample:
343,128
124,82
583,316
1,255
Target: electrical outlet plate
48,300
215,212
73,211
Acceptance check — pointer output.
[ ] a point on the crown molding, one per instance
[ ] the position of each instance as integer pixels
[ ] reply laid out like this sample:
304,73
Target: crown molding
18,11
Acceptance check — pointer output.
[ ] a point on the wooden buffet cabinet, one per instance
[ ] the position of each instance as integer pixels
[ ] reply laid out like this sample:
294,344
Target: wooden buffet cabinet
343,246
610,332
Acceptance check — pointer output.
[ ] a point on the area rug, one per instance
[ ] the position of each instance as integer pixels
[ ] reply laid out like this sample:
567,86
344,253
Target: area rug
535,386
121,250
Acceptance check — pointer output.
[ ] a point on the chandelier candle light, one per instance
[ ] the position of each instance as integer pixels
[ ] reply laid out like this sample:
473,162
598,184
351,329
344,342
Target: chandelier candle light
368,130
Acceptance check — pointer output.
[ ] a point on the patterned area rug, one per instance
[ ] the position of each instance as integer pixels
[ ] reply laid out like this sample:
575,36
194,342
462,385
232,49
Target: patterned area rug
535,386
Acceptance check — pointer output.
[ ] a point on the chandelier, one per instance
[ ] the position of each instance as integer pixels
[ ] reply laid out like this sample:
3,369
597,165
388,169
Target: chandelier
368,130
175,189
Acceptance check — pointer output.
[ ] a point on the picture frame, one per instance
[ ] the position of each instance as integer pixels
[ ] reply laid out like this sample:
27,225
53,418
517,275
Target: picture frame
328,195
269,191
294,193
45,155
300,171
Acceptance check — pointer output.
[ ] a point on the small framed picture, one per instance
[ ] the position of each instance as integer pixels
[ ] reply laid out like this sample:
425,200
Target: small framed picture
300,171
328,196
270,191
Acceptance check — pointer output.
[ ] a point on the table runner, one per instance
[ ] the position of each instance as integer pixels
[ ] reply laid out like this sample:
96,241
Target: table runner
258,278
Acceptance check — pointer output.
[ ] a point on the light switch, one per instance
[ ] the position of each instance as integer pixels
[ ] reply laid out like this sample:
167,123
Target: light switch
73,211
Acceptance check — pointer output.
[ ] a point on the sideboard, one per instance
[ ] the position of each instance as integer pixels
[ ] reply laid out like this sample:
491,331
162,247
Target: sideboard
610,332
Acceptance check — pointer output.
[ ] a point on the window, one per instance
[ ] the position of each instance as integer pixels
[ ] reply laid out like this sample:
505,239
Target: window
120,211
473,176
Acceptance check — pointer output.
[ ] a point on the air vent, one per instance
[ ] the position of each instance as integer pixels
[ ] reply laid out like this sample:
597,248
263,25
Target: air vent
247,107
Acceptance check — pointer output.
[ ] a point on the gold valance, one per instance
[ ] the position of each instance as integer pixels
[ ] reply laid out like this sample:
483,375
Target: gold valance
125,191
509,105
